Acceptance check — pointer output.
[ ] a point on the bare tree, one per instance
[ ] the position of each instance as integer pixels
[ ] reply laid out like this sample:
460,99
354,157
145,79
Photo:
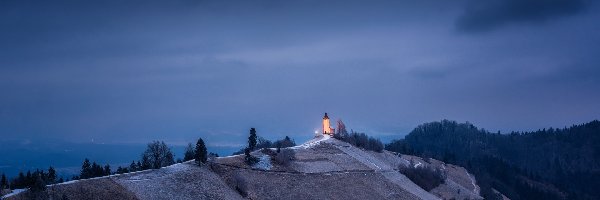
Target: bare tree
158,155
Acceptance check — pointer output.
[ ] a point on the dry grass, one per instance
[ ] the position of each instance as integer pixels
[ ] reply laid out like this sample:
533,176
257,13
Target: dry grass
337,185
182,181
95,189
329,170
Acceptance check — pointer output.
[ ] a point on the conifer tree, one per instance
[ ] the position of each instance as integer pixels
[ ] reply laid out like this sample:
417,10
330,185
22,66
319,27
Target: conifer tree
51,175
86,169
107,170
252,139
189,152
96,170
201,153
133,167
38,187
20,183
119,170
3,182
29,180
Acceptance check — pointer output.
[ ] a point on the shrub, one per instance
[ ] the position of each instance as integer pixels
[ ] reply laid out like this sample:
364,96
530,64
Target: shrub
249,159
285,142
264,143
212,157
285,156
425,177
361,140
240,184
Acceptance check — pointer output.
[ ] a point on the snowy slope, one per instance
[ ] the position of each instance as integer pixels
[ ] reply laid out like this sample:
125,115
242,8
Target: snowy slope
323,168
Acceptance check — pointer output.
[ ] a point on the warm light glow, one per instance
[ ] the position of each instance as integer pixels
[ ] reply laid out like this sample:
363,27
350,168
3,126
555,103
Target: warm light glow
326,125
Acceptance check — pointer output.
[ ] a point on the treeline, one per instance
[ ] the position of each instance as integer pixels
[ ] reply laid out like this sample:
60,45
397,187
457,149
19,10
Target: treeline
156,155
93,170
38,178
544,164
257,142
360,140
282,156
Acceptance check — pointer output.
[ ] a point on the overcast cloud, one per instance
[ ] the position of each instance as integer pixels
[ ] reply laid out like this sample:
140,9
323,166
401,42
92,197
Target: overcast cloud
138,71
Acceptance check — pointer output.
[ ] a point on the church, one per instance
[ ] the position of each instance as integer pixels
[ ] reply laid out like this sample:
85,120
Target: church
327,129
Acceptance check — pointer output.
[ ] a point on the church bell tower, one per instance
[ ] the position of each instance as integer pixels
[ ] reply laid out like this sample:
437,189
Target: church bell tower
327,126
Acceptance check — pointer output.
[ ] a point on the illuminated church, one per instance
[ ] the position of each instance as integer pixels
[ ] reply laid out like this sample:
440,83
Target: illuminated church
327,126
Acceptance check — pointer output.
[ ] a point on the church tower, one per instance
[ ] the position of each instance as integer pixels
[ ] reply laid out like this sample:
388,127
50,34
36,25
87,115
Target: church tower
327,126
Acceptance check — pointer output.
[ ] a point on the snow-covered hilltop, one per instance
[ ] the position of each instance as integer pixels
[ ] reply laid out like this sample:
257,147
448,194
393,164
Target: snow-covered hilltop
322,168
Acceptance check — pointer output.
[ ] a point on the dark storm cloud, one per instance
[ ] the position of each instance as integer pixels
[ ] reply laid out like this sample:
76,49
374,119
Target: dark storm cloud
480,16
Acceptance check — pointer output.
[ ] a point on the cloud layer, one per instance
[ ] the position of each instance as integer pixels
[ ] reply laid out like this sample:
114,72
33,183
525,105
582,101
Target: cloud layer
137,71
482,16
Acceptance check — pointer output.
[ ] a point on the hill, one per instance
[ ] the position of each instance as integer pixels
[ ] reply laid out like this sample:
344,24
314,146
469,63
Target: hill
545,164
323,168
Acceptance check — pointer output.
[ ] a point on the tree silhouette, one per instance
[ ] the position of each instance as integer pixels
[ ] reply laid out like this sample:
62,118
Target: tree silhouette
51,175
157,155
252,139
189,152
86,169
3,182
133,167
107,170
201,153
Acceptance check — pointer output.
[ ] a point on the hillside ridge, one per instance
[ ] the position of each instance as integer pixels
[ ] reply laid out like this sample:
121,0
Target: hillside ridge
323,168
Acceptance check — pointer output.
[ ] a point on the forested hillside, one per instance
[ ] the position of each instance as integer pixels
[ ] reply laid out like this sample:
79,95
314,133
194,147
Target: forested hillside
545,164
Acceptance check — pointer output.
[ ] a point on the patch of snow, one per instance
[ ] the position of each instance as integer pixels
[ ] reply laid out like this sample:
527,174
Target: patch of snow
173,166
475,188
387,171
181,181
231,156
313,142
14,192
405,162
65,183
75,181
364,158
264,163
418,164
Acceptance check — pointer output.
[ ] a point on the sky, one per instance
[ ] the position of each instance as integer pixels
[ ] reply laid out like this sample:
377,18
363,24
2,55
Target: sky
137,71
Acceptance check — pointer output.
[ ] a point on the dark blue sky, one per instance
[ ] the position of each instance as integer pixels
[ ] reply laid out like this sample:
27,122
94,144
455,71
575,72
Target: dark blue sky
135,71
